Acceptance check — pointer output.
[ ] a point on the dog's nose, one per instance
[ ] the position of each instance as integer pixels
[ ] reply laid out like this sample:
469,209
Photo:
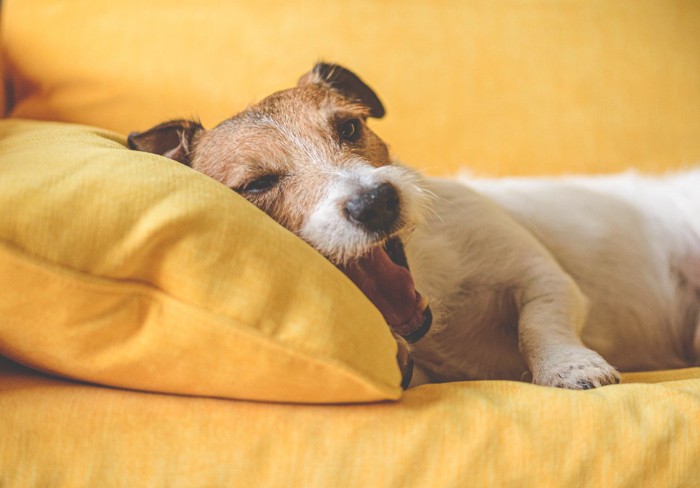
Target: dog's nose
376,209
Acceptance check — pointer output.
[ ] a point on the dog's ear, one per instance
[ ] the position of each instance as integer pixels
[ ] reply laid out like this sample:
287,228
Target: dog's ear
347,83
173,139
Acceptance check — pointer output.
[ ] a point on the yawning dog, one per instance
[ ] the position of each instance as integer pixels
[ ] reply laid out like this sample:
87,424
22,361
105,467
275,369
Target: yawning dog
545,280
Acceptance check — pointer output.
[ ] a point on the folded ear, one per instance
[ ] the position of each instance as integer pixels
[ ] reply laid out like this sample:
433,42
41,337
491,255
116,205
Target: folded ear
174,139
347,83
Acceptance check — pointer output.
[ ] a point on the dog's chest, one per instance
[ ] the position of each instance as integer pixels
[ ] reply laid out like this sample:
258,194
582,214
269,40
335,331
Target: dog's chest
474,337
475,328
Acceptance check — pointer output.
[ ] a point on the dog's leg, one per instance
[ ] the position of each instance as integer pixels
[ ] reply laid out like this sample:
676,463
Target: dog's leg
552,313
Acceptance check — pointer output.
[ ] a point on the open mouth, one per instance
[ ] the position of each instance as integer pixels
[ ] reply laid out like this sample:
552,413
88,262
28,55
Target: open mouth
383,276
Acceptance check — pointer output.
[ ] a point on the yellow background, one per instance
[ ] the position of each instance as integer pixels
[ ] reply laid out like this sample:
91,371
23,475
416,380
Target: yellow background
507,87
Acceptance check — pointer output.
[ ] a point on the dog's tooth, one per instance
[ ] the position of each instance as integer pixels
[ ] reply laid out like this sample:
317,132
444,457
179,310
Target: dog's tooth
424,302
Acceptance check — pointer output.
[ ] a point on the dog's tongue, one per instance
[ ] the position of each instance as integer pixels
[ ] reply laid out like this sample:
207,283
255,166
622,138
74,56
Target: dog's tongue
389,286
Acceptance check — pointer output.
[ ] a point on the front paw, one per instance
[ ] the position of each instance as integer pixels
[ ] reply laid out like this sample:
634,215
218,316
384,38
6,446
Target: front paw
575,368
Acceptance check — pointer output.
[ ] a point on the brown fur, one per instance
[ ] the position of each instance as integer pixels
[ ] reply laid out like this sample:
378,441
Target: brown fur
293,134
267,139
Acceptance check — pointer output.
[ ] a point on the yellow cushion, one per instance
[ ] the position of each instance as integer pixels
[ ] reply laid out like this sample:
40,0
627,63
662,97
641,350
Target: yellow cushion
131,270
501,87
481,434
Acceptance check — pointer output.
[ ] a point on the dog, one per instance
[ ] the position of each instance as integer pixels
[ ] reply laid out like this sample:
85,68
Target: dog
559,281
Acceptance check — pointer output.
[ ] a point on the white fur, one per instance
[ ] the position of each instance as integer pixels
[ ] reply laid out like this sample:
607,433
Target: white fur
327,229
518,269
549,280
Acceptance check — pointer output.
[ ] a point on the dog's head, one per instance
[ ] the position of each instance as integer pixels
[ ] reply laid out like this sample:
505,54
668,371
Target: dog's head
307,157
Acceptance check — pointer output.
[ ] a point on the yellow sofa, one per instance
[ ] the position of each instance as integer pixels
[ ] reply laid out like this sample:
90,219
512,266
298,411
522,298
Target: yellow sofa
157,330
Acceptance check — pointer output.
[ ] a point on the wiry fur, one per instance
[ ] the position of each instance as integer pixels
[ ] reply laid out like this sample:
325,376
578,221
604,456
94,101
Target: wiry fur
548,280
338,238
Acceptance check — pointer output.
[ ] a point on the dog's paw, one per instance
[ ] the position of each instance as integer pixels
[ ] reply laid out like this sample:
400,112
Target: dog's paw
575,368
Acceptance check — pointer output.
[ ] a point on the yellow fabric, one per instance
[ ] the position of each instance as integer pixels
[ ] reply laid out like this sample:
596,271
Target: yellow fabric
479,434
127,270
661,376
506,87
131,270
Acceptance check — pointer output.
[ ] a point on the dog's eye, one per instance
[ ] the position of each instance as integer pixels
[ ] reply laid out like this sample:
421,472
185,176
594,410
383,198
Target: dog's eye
350,130
260,185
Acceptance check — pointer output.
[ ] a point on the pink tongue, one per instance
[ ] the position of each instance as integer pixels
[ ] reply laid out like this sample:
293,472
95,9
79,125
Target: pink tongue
389,286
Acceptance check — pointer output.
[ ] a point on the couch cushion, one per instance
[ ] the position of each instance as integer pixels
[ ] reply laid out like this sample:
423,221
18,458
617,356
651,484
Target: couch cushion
481,434
131,270
501,87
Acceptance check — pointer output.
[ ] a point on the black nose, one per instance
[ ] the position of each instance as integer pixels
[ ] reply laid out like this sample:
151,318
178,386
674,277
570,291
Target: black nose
376,209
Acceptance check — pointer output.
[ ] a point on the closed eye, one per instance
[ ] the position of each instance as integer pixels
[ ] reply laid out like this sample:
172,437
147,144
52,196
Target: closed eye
260,185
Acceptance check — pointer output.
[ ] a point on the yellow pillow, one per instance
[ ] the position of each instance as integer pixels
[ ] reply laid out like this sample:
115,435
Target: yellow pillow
130,270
